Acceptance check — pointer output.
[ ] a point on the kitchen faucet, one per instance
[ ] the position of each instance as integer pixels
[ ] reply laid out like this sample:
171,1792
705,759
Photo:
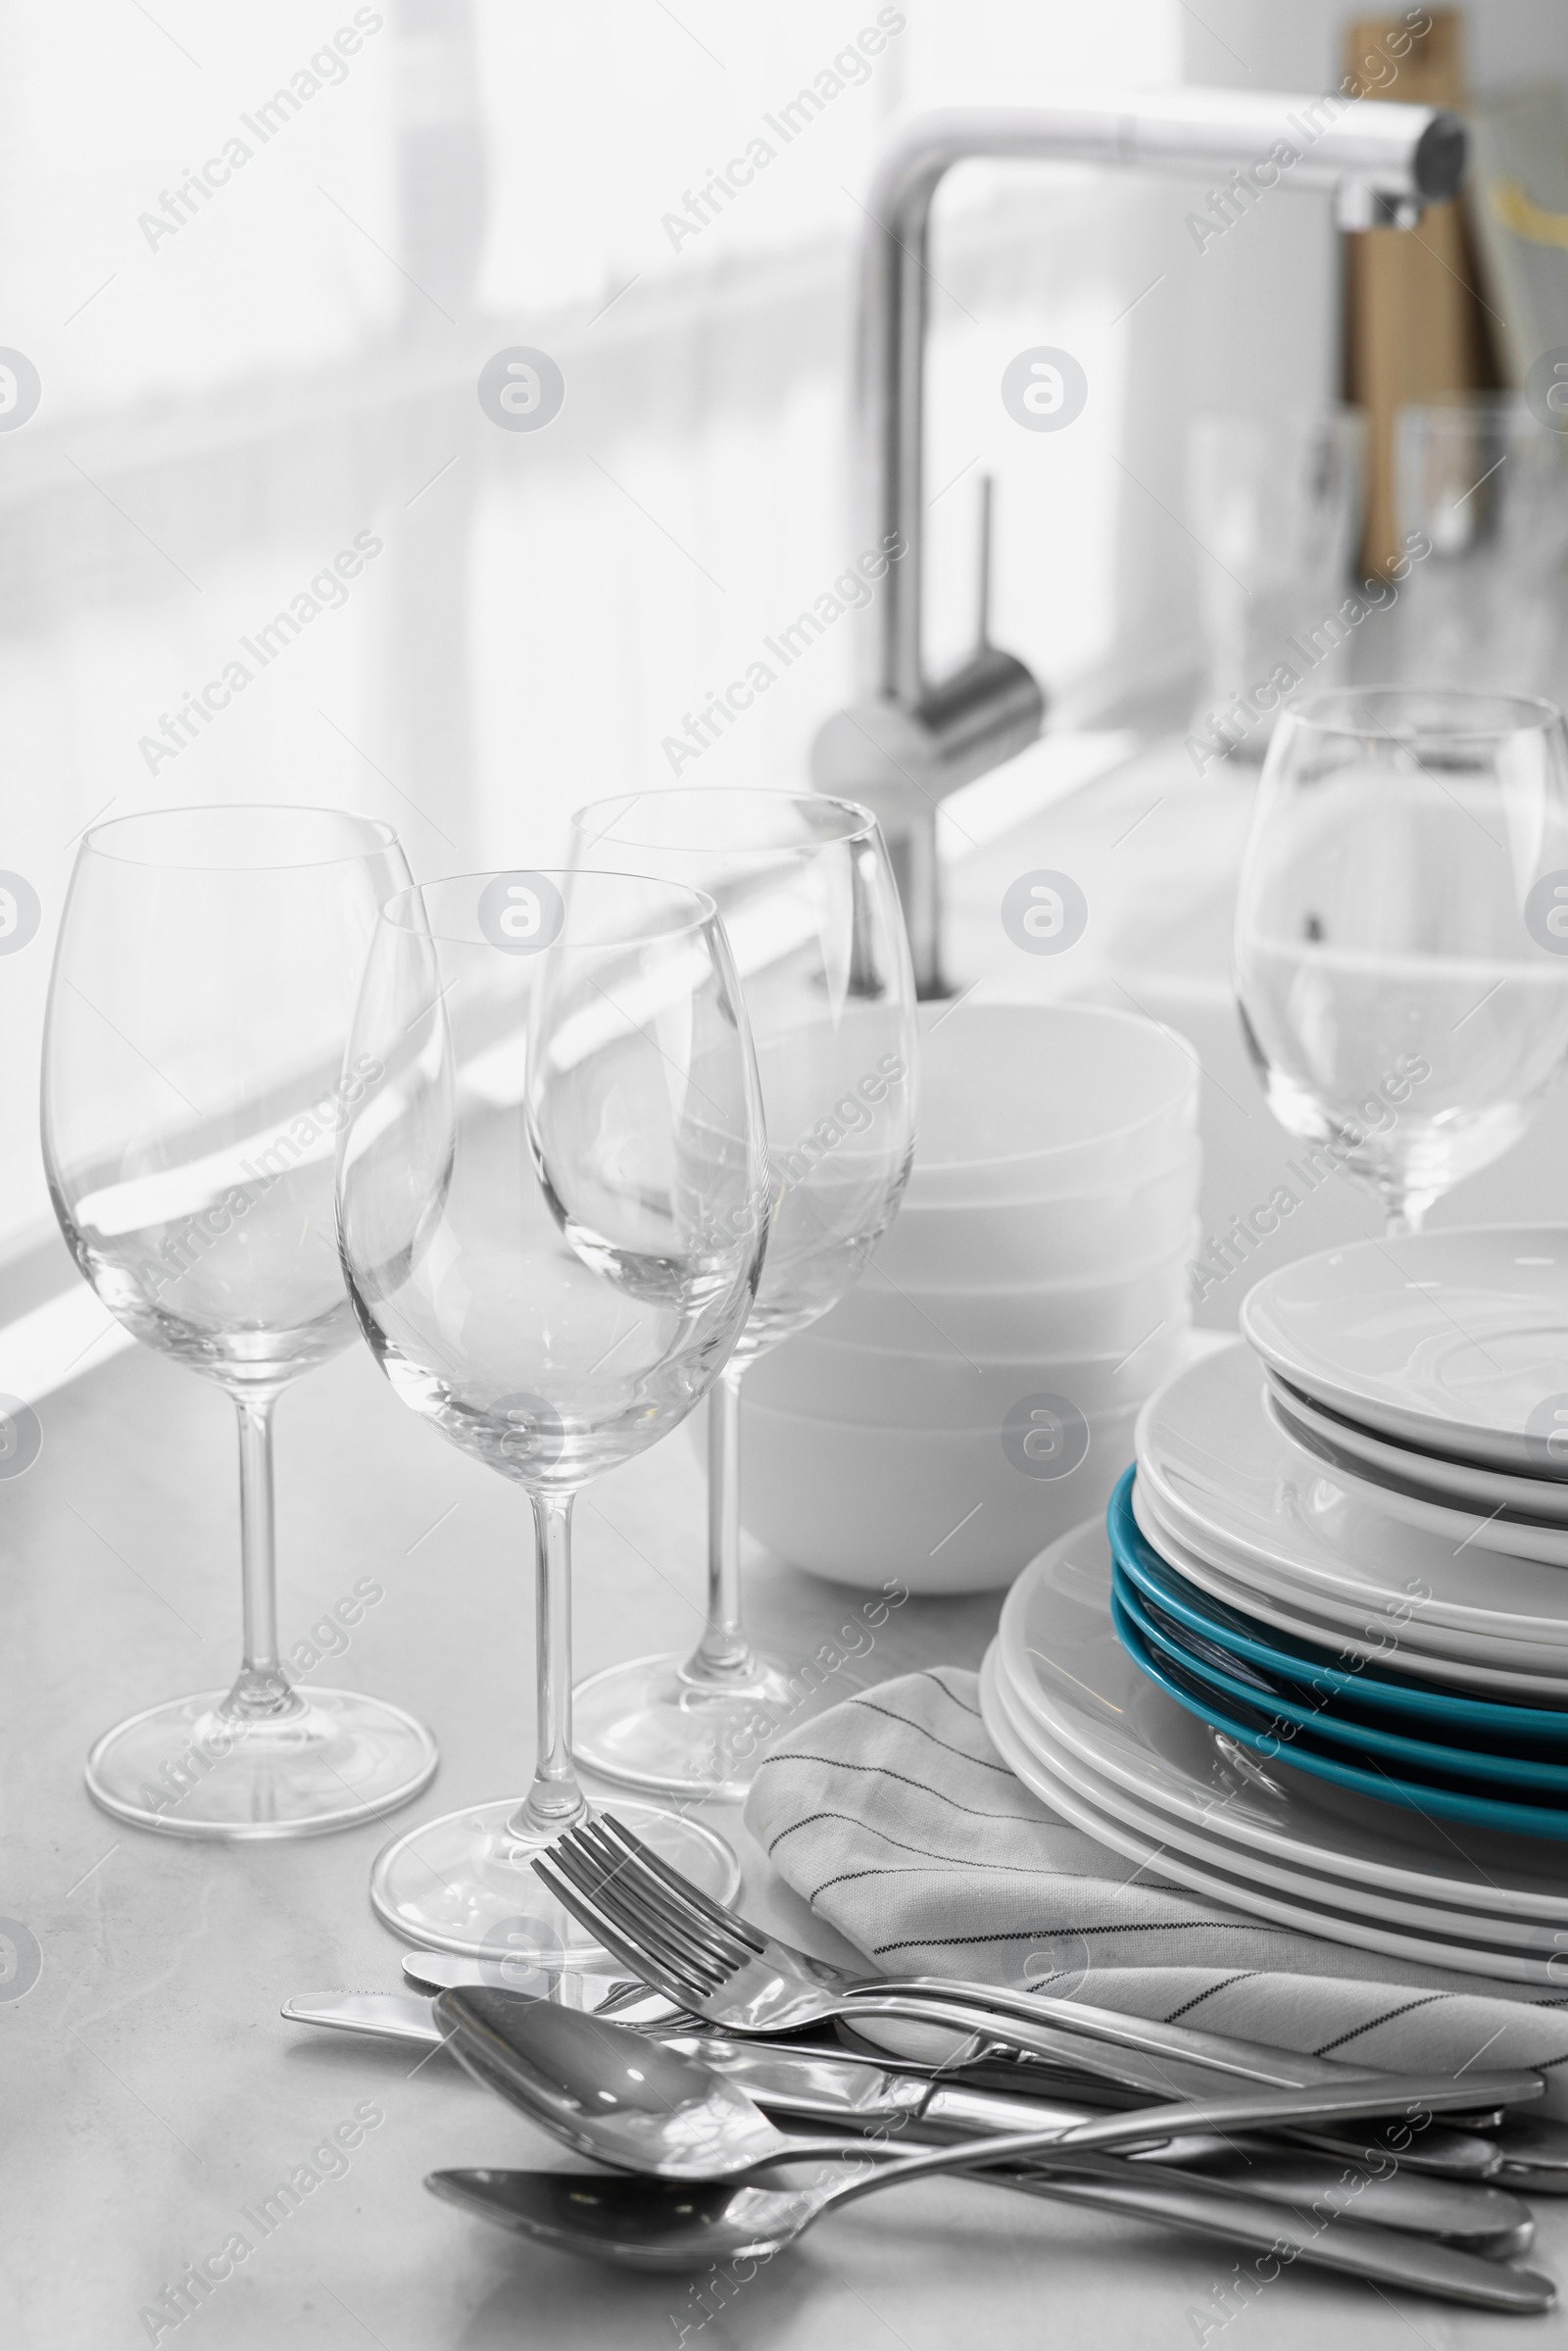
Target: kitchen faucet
909,740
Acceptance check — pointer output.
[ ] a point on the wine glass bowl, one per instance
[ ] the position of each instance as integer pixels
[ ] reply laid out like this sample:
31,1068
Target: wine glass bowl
195,1189
552,1215
529,1221
194,1085
1275,500
1482,490
1399,1000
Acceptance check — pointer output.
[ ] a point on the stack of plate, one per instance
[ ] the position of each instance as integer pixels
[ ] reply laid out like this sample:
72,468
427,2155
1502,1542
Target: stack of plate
1322,1645
1101,1743
976,1392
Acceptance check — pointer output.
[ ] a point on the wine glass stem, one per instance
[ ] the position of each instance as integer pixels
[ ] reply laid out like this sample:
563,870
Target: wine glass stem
262,1686
555,1800
723,1655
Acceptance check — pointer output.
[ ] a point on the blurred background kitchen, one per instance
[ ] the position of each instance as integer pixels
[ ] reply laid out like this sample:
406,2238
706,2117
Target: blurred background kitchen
260,265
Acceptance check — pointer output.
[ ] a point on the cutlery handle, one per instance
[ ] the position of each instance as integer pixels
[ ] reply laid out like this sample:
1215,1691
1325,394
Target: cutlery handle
1484,2220
1215,2052
1164,2077
1416,2262
1152,2077
1394,2198
1385,2255
1049,2147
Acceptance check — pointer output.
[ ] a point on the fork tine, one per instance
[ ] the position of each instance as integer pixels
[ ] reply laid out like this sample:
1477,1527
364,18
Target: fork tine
693,1969
587,1914
621,1894
729,1923
619,1875
698,1968
673,1882
626,1874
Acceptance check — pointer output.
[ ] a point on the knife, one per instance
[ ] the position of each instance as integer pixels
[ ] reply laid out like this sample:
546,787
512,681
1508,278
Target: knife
824,2086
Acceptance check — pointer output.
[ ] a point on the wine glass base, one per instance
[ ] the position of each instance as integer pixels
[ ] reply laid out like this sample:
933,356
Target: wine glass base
463,1883
650,1724
188,1769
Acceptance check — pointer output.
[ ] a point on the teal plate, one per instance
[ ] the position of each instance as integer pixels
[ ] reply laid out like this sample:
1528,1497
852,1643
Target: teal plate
1288,1716
1480,1812
1277,1655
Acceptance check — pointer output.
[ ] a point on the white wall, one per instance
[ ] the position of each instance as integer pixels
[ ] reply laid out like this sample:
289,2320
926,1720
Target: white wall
226,407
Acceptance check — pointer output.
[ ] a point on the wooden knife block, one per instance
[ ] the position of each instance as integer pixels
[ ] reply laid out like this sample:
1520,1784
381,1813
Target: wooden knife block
1414,322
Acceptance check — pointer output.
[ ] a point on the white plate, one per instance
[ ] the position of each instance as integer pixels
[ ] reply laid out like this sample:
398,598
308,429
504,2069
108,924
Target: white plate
1400,1643
1494,1529
1315,1889
1057,1640
1450,1341
1209,1451
1237,1893
1371,1618
1425,1477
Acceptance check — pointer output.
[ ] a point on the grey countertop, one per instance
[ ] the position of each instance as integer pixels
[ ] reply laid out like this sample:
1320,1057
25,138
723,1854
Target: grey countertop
153,2094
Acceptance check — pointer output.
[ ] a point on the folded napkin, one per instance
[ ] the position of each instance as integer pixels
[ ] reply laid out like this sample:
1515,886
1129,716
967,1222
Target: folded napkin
896,1817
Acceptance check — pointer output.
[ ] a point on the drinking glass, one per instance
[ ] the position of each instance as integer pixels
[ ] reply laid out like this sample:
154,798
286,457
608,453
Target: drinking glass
1485,485
194,1080
1402,928
553,1208
812,909
1276,503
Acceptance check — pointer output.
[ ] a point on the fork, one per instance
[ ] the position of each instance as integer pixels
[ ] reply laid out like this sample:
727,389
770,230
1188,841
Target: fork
712,1960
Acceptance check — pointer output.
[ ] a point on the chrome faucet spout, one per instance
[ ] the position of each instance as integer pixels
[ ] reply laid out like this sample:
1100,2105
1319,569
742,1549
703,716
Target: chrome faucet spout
909,743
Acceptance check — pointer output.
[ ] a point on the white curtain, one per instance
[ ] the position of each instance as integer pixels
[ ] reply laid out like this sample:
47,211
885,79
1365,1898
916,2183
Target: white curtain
253,360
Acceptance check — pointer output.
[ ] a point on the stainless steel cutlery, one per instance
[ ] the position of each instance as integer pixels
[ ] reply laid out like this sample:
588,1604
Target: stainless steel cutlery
681,2064
643,2106
669,2225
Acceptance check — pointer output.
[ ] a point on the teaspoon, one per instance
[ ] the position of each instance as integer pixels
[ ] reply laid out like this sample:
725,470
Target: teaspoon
685,2224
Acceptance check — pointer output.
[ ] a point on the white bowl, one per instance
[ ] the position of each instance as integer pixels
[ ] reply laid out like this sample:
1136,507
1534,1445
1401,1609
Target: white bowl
860,1386
1095,1237
1018,1324
938,1510
1034,1102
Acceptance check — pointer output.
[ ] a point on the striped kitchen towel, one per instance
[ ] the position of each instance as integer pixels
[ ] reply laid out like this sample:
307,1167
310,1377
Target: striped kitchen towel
895,1817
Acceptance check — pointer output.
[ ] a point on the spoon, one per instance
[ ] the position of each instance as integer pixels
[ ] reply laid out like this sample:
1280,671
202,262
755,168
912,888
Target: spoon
612,2093
627,2099
694,2225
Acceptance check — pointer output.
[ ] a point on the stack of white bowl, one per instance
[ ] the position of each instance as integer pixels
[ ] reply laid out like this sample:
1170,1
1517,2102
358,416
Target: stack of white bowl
975,1394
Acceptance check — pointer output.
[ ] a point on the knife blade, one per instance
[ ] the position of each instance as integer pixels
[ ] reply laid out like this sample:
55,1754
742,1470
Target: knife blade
596,1994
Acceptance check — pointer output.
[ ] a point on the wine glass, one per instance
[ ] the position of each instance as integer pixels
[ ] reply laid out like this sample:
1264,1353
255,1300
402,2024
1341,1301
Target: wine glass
812,909
1276,502
1484,484
1398,958
194,1079
552,1210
